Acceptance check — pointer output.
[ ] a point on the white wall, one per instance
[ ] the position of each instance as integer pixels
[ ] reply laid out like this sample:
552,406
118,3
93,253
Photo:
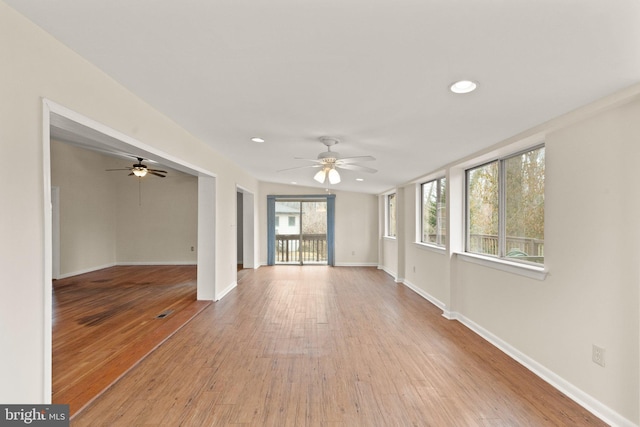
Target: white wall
87,209
110,218
356,223
592,234
425,266
157,218
41,67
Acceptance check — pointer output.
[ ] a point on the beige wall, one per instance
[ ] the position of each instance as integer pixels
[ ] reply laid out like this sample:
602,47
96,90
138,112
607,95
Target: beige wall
40,67
356,223
109,218
157,219
425,267
87,209
591,293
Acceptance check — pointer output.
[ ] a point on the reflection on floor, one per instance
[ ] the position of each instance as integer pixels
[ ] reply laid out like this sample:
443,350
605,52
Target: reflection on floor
106,321
325,346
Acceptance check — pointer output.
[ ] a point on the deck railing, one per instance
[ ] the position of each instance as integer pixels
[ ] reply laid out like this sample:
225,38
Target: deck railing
314,247
525,248
289,250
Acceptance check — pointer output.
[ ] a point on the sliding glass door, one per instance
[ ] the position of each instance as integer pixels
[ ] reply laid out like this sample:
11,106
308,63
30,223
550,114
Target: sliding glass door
301,232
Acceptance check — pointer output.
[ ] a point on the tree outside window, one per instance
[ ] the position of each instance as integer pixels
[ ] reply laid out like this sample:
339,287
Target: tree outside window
434,212
505,207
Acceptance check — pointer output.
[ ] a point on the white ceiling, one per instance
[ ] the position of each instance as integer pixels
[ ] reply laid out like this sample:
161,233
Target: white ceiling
374,73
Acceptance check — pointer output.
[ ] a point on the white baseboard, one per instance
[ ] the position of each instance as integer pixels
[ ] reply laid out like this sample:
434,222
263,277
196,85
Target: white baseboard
356,264
85,270
224,293
588,402
425,295
591,404
388,271
102,267
124,263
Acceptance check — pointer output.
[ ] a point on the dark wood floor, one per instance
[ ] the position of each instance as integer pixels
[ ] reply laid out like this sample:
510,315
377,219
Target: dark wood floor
104,322
322,346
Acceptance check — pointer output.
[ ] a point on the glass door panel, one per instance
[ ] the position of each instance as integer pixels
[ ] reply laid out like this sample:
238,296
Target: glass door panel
314,232
300,232
288,232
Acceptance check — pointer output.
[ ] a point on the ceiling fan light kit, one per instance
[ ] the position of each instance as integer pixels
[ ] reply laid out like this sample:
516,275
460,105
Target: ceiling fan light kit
330,162
320,176
334,176
140,170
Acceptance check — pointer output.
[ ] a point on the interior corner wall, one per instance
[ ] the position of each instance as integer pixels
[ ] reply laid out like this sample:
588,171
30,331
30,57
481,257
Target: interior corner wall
425,268
356,223
87,209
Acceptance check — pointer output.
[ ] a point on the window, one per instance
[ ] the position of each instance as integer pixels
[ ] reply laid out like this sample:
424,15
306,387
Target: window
292,221
391,215
434,212
505,207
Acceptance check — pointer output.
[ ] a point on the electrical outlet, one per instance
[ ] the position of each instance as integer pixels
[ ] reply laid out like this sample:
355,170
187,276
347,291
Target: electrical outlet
192,248
597,355
353,252
414,268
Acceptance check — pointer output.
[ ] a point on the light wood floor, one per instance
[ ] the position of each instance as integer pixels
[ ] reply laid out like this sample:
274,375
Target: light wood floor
104,322
322,346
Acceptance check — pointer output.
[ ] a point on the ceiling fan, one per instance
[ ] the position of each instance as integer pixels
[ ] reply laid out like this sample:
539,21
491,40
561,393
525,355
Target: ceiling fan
140,170
330,161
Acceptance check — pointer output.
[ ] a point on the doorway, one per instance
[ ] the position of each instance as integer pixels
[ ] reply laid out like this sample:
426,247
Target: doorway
90,134
301,232
301,248
245,233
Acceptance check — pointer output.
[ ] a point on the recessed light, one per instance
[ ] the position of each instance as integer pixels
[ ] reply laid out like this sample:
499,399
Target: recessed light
359,179
256,139
463,86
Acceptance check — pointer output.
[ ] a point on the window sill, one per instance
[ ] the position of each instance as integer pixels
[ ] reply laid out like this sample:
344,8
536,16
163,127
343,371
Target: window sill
430,248
392,238
530,271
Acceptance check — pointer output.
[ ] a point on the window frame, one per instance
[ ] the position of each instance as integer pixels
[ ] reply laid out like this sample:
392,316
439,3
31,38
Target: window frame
502,198
438,183
387,212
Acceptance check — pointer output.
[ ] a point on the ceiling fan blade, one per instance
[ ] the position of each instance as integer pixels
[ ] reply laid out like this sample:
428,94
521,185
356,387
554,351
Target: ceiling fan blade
356,168
156,170
157,174
126,169
308,160
356,159
300,167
